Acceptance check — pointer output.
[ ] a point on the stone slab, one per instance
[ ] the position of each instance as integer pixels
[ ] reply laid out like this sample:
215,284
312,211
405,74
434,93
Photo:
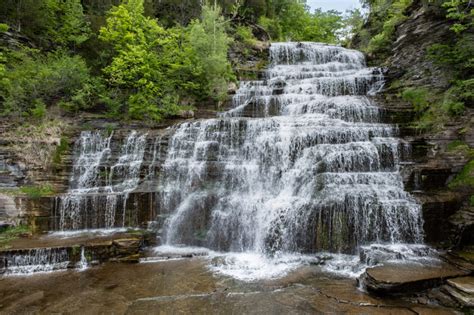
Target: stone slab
466,300
464,284
405,278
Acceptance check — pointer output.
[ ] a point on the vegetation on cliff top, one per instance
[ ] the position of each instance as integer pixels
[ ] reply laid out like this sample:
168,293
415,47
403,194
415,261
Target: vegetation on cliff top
136,59
455,58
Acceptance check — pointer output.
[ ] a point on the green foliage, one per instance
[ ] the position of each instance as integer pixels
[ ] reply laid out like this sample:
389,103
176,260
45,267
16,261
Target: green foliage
62,23
462,12
471,201
272,27
245,35
32,82
457,59
152,70
210,42
391,13
66,22
456,144
61,149
36,192
417,97
4,27
465,178
39,110
136,66
352,24
293,21
11,233
462,147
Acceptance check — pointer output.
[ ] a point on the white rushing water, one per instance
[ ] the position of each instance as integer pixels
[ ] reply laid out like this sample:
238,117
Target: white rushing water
30,261
100,187
300,165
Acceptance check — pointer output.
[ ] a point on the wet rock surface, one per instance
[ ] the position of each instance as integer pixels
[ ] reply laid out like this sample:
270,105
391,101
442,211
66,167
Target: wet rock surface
187,286
462,290
49,253
391,278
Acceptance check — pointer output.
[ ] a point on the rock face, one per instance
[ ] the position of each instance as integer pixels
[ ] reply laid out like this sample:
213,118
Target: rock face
447,213
397,278
462,289
408,57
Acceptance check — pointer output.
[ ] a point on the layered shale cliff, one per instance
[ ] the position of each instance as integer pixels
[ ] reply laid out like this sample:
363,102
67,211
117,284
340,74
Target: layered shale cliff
442,151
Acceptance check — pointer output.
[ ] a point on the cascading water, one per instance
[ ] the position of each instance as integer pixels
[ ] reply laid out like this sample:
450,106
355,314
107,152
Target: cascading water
29,261
100,186
300,164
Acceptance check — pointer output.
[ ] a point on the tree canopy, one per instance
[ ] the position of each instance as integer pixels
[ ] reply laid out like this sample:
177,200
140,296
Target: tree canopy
137,59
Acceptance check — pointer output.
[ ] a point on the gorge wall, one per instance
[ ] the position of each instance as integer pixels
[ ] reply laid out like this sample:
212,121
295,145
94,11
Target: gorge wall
442,151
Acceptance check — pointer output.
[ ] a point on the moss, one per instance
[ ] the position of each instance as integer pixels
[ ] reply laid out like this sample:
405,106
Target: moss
75,250
61,149
460,146
11,233
465,178
110,128
136,232
418,97
3,28
36,192
471,201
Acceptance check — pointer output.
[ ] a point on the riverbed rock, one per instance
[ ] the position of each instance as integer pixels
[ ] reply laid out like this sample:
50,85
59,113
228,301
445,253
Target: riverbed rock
393,278
462,290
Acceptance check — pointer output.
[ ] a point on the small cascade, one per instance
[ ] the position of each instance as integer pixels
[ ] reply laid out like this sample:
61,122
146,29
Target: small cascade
28,261
82,264
300,164
101,183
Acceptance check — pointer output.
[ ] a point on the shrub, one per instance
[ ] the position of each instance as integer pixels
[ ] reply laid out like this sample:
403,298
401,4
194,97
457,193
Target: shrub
418,97
39,110
37,82
465,178
391,13
61,149
11,233
245,35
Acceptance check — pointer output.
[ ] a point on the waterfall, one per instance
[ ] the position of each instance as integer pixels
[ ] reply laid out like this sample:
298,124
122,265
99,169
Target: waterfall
82,264
300,164
100,184
29,261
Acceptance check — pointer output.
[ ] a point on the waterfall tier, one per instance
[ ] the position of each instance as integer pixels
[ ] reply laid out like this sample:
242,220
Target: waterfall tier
301,163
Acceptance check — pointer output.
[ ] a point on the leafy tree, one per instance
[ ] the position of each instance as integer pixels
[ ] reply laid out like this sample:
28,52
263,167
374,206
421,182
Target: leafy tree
210,42
462,12
136,65
61,23
291,20
31,83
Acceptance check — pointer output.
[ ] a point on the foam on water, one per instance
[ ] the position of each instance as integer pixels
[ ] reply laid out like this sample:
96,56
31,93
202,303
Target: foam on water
86,232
